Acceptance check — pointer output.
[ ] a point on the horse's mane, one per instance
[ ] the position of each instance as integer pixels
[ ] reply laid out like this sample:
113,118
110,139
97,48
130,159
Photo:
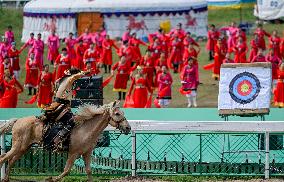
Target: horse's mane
87,111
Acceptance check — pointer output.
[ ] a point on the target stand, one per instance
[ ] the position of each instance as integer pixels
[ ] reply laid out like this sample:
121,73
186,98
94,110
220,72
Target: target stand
245,91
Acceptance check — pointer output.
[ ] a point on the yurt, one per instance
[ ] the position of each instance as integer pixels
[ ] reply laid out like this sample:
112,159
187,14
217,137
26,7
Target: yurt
269,10
142,17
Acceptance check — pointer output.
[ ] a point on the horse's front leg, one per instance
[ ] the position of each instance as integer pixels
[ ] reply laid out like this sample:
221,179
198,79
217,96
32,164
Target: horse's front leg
68,166
87,160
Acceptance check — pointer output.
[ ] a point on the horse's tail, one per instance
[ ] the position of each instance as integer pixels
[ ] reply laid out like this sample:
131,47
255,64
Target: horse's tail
7,126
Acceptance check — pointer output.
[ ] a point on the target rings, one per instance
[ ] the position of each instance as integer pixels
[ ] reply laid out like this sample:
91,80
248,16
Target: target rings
244,88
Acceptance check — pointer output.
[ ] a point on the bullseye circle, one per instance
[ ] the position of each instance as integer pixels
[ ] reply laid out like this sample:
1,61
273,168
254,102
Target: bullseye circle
244,88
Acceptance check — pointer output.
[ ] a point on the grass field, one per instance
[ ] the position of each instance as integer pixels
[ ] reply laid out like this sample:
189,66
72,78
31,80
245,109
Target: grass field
207,91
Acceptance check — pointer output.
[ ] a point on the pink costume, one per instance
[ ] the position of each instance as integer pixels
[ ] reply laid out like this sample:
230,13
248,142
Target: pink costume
165,80
38,49
70,45
28,44
4,47
126,36
190,77
9,35
53,46
276,62
232,33
87,39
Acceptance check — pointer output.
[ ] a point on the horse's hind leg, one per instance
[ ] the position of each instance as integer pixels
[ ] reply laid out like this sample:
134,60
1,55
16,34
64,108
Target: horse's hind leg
68,166
87,160
10,154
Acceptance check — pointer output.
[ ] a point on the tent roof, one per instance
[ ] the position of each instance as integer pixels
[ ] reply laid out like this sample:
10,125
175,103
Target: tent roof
110,6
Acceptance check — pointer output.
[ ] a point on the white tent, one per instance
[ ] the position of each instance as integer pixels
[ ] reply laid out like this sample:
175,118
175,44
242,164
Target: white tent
141,16
269,9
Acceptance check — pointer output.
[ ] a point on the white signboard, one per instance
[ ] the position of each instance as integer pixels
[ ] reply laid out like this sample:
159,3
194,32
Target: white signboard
269,9
245,88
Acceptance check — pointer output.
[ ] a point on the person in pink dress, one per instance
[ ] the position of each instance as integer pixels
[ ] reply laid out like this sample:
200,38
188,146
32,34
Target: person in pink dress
190,81
38,49
98,39
255,46
261,34
212,37
4,47
70,43
86,37
165,81
274,43
53,45
126,35
29,44
232,31
9,34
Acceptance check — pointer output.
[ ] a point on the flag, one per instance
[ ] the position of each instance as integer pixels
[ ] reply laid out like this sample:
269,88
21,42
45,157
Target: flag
106,81
208,66
32,100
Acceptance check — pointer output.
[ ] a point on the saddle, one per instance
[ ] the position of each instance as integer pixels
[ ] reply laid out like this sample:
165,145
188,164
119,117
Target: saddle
58,122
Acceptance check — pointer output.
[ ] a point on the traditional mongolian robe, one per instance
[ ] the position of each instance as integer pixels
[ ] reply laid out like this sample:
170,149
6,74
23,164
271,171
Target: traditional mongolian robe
140,89
10,97
45,82
38,48
63,63
107,51
279,91
261,33
121,77
70,45
32,73
53,45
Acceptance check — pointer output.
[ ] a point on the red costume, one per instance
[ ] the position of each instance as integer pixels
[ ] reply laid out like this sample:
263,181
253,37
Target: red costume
15,59
148,64
220,52
156,50
53,46
274,43
259,59
93,56
80,50
189,76
176,52
164,82
70,45
32,72
255,45
279,91
140,93
275,62
10,97
240,53
127,52
107,51
63,63
3,67
45,82
122,77
135,44
212,36
261,33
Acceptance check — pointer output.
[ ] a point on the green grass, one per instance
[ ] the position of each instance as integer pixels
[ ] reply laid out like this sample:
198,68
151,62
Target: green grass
207,92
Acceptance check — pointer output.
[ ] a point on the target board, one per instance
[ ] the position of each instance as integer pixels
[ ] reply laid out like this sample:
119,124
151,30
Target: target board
245,89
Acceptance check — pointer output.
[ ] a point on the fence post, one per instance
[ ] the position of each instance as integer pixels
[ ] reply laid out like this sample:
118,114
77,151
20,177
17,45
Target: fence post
133,161
267,161
3,148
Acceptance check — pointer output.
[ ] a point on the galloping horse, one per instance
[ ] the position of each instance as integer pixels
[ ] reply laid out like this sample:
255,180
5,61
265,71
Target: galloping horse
90,122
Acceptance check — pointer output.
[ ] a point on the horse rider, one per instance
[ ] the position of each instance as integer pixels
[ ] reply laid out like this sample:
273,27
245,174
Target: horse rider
60,109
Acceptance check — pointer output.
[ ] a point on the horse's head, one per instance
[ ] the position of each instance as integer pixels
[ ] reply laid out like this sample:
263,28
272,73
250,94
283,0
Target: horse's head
117,118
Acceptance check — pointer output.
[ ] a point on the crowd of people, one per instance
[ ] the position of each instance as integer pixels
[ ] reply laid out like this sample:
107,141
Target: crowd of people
93,52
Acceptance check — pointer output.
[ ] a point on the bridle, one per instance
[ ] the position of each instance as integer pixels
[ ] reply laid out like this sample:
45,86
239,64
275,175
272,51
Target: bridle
117,122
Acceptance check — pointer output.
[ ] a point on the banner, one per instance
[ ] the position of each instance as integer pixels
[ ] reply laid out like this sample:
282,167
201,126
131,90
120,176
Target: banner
244,88
269,9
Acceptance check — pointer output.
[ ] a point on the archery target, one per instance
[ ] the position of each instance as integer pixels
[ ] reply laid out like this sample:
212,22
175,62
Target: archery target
244,88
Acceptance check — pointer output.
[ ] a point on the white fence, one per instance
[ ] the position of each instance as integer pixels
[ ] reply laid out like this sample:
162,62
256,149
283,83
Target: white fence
266,127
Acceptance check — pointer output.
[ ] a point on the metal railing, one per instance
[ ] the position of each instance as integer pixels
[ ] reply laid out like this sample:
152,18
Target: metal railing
172,147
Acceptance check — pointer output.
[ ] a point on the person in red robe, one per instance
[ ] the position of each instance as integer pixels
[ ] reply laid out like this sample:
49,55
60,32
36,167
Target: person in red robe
121,78
275,62
70,43
240,34
220,53
53,45
240,50
86,37
188,40
140,88
165,81
6,65
91,71
126,51
259,58
155,48
135,43
80,50
12,89
62,63
178,32
274,43
159,63
14,55
45,87
32,73
107,53
254,43
175,58
4,48
190,51
190,81
148,64
261,34
92,55
279,91
212,37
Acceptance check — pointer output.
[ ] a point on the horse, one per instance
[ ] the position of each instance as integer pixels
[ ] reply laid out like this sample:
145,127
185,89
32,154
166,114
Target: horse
90,122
